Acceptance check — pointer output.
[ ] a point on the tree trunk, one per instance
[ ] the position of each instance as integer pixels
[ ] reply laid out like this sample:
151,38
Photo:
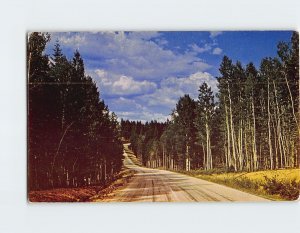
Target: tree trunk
232,132
254,135
269,129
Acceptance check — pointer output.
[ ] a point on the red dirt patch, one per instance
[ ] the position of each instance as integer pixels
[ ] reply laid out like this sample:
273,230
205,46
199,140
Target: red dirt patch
64,194
83,194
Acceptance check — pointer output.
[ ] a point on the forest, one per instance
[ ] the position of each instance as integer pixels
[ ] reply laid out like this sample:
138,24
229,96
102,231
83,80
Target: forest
251,124
73,138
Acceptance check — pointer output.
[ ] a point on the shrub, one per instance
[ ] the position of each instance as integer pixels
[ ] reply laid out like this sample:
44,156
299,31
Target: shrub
246,182
286,189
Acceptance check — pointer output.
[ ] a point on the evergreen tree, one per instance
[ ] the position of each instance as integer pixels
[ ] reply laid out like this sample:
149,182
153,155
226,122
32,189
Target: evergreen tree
205,113
73,138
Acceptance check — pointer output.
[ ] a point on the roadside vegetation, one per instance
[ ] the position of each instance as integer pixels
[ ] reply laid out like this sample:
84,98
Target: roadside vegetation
283,184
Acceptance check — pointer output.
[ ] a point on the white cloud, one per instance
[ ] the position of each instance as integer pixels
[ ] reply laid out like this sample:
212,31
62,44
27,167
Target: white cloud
208,47
143,35
152,101
113,84
214,34
217,51
129,109
190,84
159,104
197,49
126,85
163,97
161,41
173,87
139,78
76,40
126,105
136,54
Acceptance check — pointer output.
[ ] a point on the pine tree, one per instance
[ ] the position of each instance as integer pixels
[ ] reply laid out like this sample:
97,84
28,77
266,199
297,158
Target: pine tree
204,115
184,117
73,138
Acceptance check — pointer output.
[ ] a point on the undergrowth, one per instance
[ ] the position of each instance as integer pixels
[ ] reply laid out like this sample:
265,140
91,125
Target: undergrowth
282,184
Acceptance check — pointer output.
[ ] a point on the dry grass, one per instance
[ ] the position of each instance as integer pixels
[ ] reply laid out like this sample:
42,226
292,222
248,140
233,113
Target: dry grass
282,184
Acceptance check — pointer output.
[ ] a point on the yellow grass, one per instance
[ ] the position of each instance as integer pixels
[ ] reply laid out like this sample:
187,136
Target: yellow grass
253,182
283,175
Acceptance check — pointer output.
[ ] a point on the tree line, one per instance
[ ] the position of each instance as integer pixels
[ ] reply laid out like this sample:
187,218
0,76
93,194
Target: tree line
144,138
73,139
251,124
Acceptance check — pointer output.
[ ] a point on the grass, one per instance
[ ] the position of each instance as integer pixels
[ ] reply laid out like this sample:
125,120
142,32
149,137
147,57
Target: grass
282,184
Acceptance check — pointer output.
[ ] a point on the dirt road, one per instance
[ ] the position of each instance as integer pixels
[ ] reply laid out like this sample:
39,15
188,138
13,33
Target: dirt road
153,185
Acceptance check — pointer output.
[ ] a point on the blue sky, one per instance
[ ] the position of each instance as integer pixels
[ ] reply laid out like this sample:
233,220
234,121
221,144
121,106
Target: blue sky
141,75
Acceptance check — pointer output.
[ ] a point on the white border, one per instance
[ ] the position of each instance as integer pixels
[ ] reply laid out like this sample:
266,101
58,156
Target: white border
17,17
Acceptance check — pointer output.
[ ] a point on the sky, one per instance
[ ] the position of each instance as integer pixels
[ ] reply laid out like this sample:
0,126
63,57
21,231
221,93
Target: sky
141,75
